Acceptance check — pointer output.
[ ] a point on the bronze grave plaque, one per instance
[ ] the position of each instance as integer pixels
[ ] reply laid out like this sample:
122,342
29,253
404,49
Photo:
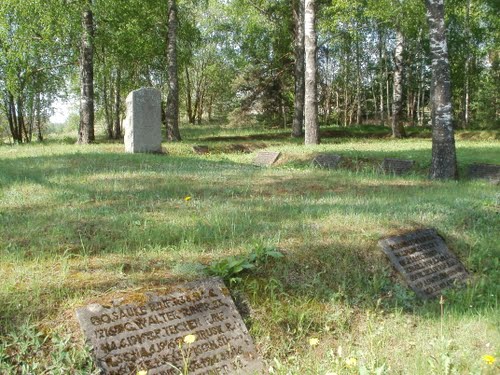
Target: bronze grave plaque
197,325
327,161
425,262
266,158
397,166
490,172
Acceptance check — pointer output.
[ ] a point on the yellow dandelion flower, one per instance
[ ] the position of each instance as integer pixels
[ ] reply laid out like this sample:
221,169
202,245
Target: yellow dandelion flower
313,341
189,339
489,359
142,372
351,362
187,198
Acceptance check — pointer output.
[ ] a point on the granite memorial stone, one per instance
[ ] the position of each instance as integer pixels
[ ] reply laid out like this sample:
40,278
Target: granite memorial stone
397,166
154,335
425,262
143,121
266,158
490,172
328,161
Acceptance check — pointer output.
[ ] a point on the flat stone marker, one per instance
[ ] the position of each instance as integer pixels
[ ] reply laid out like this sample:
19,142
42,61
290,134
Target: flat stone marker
266,158
328,161
236,147
490,172
397,166
143,121
149,336
425,262
201,149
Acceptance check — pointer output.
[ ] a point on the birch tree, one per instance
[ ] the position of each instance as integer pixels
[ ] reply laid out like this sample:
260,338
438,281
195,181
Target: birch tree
444,161
310,102
398,130
86,128
172,110
298,112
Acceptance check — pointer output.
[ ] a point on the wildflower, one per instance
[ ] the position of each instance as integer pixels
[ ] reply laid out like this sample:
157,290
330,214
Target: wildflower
313,341
489,359
189,339
187,198
142,372
351,362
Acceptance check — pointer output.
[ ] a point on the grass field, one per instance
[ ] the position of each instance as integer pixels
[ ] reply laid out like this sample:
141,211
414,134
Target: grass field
83,224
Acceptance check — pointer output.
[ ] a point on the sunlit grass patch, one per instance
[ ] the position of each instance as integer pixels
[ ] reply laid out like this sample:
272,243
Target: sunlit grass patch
89,224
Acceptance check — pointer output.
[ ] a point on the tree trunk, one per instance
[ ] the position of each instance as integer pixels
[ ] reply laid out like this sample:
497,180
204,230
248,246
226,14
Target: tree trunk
311,88
444,161
107,108
467,69
398,130
381,47
358,81
189,100
172,115
39,117
298,106
118,129
86,131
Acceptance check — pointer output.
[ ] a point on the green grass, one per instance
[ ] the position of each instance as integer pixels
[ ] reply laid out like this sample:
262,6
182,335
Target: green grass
85,224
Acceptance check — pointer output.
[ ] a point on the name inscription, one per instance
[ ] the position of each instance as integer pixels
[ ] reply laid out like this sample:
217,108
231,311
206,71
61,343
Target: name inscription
129,338
425,262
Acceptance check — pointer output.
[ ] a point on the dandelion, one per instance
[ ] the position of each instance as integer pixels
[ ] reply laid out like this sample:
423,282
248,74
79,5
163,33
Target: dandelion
313,341
489,359
187,198
189,339
351,362
142,372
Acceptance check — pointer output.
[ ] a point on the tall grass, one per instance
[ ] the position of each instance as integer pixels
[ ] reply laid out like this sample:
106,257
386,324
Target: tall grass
84,224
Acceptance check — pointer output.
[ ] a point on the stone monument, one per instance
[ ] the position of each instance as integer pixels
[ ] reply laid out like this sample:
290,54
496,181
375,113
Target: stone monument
490,172
143,121
327,161
397,166
266,158
195,326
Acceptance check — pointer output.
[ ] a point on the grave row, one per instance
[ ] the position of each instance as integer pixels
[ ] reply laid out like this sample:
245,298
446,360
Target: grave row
143,134
197,328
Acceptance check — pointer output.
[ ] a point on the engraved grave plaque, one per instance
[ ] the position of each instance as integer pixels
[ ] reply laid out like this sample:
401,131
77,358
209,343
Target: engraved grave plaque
201,149
397,166
490,172
266,158
236,147
425,262
149,336
327,161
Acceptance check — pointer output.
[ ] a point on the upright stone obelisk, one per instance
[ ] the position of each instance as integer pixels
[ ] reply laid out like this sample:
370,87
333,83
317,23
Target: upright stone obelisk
143,121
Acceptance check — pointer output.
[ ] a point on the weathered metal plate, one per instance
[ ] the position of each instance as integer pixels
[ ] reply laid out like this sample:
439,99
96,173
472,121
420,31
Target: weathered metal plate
490,172
150,336
266,158
397,166
328,161
425,262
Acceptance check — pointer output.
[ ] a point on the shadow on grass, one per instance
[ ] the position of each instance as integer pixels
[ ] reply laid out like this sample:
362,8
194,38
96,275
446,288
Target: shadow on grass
125,204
